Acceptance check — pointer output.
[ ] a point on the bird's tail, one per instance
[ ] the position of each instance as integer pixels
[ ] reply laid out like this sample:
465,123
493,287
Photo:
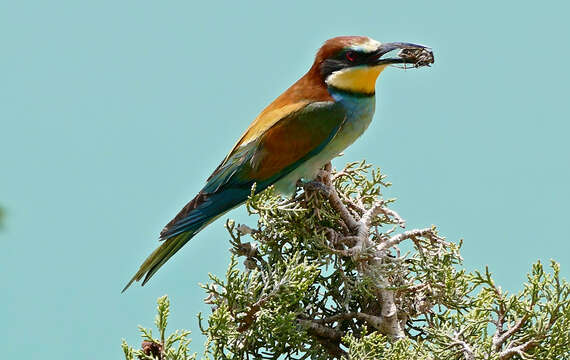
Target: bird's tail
196,215
159,256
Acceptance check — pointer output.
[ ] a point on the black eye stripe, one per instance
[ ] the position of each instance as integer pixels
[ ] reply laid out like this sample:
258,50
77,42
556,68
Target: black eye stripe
347,58
351,56
354,57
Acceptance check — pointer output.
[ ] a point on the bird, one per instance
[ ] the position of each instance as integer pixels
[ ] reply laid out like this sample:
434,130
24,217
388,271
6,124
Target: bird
304,128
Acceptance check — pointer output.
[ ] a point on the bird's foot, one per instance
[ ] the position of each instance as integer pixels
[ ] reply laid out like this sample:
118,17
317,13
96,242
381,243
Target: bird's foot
315,186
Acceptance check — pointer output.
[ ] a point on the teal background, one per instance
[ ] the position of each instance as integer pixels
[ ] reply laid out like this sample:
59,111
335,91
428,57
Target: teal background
113,113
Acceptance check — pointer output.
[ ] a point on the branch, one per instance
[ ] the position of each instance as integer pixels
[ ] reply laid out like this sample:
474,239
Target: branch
390,324
465,347
396,239
498,339
335,200
320,330
250,315
375,321
329,338
517,350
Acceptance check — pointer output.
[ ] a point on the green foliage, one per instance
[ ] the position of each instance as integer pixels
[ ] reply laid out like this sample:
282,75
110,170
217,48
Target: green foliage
173,347
375,346
323,277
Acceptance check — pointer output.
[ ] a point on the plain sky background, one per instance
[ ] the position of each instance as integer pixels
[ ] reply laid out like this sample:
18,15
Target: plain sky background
113,113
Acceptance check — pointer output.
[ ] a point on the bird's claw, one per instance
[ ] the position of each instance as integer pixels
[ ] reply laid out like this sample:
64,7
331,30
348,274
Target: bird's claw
315,186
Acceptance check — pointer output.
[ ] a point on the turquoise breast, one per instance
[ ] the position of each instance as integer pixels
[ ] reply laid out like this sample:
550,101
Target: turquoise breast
360,110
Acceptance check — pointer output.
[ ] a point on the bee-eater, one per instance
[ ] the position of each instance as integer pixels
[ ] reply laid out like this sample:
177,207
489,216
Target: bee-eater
314,120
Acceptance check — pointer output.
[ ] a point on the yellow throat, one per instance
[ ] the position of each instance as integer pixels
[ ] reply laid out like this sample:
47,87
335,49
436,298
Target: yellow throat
359,79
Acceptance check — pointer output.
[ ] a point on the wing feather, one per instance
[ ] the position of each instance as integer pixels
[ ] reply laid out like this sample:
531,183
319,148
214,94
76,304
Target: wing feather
286,144
289,141
265,120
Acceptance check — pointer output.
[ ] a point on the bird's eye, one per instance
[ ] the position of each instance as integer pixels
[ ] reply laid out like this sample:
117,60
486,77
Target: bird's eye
350,56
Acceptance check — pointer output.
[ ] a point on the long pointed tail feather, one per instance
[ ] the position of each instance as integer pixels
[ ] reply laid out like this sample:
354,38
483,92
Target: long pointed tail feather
159,256
197,214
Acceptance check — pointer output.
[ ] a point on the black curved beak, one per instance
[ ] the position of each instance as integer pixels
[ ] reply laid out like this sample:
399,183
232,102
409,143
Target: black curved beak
417,55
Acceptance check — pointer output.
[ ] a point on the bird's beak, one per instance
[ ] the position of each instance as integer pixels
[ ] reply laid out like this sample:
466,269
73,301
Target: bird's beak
417,55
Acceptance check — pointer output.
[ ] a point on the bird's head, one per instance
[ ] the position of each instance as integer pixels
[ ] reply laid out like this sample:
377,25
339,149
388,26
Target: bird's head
353,63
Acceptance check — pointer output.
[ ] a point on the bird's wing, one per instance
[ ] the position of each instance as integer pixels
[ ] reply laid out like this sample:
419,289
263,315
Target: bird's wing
268,117
296,136
293,138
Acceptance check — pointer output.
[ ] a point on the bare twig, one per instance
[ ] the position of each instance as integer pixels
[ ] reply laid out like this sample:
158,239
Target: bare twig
335,200
499,338
329,338
517,350
467,350
396,239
